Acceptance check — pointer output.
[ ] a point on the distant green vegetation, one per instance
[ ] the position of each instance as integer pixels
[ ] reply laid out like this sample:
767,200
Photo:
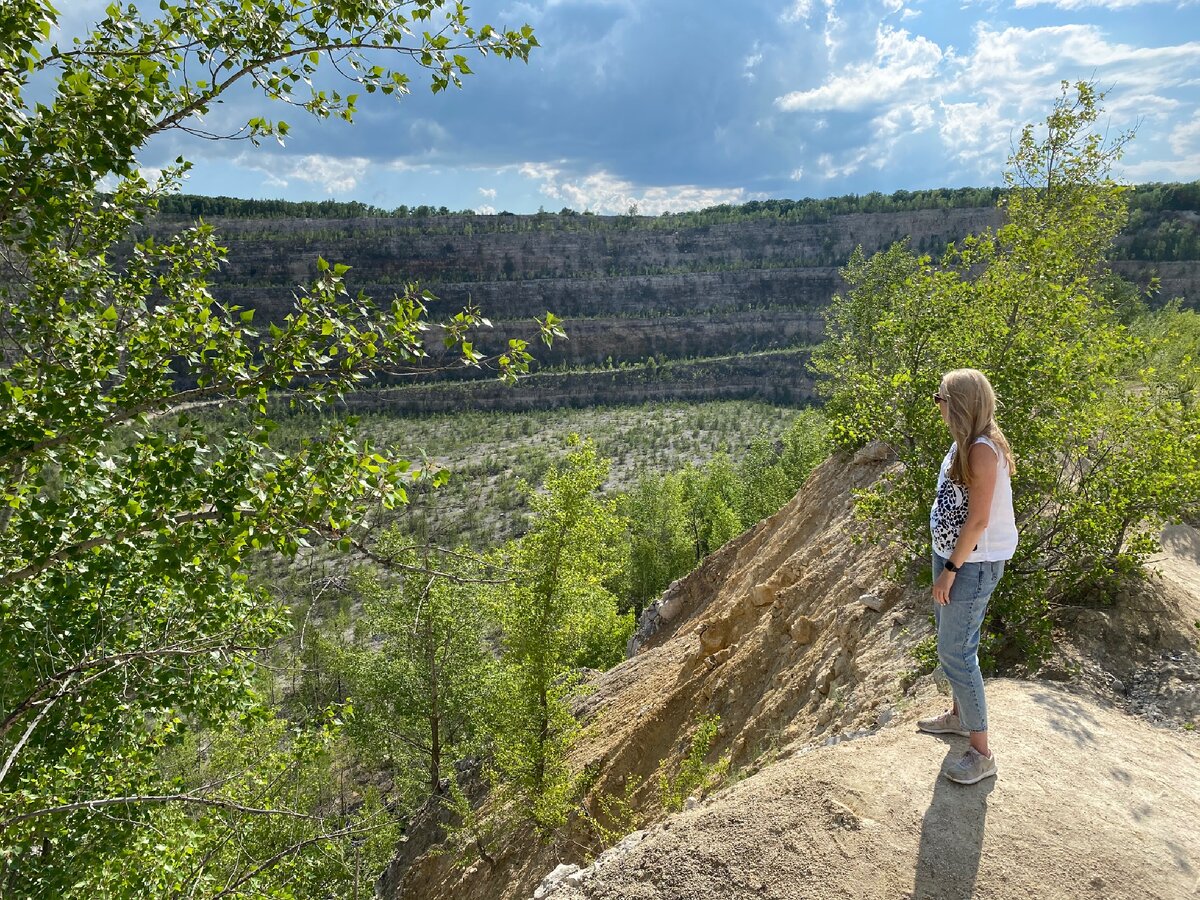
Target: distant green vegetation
491,457
1152,233
806,210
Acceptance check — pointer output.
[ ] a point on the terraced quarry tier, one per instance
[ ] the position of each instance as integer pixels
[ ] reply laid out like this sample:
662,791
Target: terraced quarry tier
629,289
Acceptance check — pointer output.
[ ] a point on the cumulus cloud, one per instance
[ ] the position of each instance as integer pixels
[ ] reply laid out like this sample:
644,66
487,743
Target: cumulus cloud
975,101
1184,143
489,193
334,174
1102,4
1014,71
797,11
900,63
152,174
602,192
1185,139
750,64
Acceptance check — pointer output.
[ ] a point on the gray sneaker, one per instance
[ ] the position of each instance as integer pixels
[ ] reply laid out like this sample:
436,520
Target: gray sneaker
946,723
973,767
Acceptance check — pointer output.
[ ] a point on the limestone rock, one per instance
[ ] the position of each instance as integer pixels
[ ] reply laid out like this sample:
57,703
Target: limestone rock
762,595
876,451
872,600
551,881
803,630
715,635
671,603
719,657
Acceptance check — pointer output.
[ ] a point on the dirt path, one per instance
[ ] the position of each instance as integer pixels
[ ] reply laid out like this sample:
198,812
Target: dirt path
1089,802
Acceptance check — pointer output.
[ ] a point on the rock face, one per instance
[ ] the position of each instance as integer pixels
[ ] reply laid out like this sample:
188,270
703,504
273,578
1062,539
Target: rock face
628,290
836,793
777,377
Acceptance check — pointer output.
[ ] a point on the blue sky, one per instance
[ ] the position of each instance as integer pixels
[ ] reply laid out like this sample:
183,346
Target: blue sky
681,104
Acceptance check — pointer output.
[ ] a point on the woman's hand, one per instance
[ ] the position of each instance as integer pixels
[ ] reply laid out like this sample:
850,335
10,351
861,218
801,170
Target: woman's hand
941,587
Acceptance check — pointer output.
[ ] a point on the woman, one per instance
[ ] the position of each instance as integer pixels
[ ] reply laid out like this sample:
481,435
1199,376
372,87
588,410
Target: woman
974,533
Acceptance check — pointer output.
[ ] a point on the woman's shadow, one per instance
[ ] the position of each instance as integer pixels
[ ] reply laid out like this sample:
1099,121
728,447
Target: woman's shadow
952,836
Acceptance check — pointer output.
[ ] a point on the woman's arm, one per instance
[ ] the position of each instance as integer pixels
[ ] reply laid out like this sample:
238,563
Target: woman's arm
984,466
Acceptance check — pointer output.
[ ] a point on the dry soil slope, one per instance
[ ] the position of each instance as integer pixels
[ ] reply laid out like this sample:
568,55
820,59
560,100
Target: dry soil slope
1089,802
840,796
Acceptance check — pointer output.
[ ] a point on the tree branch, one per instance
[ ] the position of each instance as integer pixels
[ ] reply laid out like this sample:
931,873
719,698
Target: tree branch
110,661
93,805
288,851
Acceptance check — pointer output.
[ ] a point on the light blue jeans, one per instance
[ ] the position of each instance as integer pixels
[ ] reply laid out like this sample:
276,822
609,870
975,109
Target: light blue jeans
958,625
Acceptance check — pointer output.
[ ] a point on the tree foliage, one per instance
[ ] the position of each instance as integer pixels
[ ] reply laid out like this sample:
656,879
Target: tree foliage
1100,463
555,616
419,668
126,619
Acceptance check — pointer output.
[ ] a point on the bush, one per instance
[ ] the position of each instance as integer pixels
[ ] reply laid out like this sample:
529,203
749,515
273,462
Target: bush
1104,455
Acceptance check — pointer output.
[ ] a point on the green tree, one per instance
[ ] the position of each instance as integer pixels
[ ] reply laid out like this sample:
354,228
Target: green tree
126,618
1033,305
771,472
418,673
267,791
660,545
712,496
556,616
1171,358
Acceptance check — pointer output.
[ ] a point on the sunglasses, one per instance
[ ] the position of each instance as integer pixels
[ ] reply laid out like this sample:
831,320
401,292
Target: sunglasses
938,398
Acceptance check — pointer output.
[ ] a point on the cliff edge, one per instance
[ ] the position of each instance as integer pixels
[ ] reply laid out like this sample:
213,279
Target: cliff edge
1088,802
793,634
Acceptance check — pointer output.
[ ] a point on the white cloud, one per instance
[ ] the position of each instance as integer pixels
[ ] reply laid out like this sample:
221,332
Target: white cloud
403,165
976,101
1012,74
602,192
1184,143
335,174
799,11
1185,139
427,135
833,24
152,174
909,118
750,64
1103,4
488,193
485,210
976,135
833,169
900,63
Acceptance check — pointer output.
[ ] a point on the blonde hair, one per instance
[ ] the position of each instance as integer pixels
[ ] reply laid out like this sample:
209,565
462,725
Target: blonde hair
970,414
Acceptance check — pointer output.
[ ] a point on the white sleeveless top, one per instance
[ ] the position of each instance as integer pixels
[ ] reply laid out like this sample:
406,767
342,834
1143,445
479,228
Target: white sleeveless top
949,513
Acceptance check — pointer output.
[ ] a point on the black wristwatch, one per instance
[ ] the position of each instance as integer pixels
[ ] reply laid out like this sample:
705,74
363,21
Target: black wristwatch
951,567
